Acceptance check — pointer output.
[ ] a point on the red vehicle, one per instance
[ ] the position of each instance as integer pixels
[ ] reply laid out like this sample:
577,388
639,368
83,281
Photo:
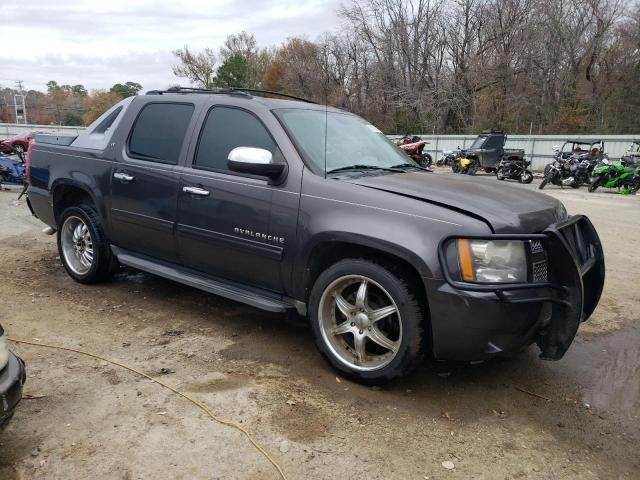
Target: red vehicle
18,143
413,146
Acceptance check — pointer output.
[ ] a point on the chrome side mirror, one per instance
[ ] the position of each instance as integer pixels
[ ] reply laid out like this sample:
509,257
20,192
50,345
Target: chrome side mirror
255,161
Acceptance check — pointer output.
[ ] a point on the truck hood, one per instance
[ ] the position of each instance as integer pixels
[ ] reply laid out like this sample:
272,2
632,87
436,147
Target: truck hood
505,208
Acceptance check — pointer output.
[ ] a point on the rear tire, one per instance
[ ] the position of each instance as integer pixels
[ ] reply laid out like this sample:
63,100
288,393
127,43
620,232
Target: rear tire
425,160
83,246
346,329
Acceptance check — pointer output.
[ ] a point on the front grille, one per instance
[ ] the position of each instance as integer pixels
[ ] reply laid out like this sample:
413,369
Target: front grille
536,246
539,272
538,262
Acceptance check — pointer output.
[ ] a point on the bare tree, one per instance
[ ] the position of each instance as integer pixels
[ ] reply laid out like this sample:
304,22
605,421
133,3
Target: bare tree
198,68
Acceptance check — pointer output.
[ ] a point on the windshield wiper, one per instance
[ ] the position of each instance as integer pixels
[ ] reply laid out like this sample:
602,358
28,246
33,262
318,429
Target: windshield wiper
365,167
411,165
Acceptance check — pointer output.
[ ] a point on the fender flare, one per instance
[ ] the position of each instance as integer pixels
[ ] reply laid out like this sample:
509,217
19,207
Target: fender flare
66,182
301,272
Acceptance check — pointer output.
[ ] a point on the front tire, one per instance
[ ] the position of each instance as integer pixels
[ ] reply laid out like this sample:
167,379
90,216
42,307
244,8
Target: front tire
526,177
366,321
543,183
500,174
595,184
83,246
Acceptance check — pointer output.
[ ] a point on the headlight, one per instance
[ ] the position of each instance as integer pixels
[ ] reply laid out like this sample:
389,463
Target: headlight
497,261
4,352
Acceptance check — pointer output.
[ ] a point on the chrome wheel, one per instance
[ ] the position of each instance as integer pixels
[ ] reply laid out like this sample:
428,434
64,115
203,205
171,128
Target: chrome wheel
360,323
77,245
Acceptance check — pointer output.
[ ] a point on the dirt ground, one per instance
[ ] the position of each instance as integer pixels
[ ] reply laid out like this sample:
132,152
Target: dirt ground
509,418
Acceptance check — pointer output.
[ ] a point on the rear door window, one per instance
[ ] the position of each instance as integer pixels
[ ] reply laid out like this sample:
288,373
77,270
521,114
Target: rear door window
159,132
225,129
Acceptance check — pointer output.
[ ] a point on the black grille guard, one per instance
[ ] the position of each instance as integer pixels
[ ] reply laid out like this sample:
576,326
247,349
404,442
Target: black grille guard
576,278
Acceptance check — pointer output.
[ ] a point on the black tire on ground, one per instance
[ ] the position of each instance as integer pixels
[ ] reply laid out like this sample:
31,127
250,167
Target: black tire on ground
426,160
412,346
104,263
500,174
543,183
595,184
526,177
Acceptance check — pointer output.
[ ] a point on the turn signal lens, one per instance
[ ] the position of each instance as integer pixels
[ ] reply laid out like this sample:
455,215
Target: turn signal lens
466,262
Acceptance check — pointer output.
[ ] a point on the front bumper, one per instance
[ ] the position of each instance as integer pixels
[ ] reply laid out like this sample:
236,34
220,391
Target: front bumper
476,321
12,378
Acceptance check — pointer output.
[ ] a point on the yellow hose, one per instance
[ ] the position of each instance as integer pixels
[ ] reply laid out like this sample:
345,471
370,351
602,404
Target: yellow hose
202,406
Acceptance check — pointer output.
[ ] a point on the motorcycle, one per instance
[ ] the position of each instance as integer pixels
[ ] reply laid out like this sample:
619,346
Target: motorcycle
582,170
558,173
448,158
515,170
413,146
624,175
465,166
12,170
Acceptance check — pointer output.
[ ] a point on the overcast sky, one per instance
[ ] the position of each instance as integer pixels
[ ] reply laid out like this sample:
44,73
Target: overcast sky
99,43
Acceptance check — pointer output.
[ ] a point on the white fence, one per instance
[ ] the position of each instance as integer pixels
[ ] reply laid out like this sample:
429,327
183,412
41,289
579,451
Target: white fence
536,147
10,129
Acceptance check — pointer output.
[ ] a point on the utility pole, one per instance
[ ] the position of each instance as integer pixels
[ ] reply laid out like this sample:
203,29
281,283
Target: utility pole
19,104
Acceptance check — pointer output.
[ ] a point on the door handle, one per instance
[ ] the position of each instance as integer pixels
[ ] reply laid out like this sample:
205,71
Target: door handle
196,191
125,177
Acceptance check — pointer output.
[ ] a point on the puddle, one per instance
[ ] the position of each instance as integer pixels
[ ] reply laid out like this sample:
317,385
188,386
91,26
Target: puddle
608,371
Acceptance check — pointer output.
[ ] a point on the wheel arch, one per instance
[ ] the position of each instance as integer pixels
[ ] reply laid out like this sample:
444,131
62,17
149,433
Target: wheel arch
66,193
328,249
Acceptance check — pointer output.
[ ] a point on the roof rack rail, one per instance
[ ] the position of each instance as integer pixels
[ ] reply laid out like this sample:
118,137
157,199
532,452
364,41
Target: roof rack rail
226,91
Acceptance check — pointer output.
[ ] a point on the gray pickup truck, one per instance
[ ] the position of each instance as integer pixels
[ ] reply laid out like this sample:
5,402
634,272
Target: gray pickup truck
289,205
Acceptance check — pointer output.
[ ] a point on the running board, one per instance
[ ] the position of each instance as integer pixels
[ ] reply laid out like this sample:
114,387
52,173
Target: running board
230,290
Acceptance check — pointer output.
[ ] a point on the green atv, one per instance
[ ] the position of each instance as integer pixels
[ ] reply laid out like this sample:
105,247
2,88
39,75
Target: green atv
624,175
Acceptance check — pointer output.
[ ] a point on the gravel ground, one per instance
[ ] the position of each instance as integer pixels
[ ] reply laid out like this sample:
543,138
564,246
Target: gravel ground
516,417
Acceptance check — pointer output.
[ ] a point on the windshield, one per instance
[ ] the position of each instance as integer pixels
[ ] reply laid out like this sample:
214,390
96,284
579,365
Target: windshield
350,140
477,143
